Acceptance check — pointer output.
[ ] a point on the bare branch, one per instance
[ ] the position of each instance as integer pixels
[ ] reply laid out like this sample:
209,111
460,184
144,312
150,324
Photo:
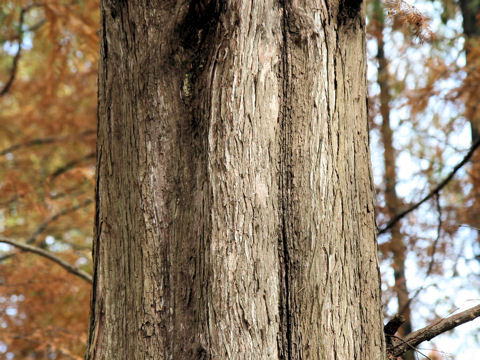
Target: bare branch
36,26
408,345
469,226
16,37
436,190
435,329
70,268
7,256
29,143
18,53
70,165
12,199
54,217
13,71
41,141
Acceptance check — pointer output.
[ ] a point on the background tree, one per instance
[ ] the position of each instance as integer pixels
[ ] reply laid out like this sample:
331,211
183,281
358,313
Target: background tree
428,133
396,246
470,13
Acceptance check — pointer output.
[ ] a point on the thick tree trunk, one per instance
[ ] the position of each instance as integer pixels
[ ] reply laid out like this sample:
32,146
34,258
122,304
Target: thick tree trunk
234,197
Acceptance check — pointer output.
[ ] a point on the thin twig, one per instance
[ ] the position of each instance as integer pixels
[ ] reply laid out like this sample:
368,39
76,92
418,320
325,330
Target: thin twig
41,141
436,190
30,143
70,165
16,58
7,256
32,28
70,268
36,26
71,244
435,329
41,228
18,53
410,346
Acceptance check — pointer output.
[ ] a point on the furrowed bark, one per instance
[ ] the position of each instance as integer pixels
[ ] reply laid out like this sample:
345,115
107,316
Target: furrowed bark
234,197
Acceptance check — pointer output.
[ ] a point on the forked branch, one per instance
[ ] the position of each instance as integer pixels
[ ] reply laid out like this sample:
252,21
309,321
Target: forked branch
429,332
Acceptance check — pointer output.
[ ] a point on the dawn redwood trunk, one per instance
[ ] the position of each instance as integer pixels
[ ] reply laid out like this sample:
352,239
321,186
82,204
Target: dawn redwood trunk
234,213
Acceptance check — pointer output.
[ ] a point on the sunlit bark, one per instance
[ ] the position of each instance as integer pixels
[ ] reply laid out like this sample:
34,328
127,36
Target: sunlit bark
234,198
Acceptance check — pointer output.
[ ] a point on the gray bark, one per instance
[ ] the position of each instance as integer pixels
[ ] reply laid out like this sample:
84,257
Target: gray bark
234,196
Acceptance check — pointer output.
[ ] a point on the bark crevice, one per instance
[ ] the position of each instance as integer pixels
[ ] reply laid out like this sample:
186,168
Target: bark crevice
285,345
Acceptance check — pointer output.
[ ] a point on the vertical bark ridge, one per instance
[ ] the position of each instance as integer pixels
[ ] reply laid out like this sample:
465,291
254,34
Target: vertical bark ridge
326,185
242,168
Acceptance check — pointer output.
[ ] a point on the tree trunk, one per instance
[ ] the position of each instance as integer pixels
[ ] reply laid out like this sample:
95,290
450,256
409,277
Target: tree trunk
396,244
471,29
234,213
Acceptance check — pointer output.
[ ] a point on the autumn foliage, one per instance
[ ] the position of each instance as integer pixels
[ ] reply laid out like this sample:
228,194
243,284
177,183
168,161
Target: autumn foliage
48,70
424,122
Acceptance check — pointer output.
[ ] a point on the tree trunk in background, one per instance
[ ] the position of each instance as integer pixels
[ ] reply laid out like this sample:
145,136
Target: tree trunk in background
234,196
471,29
393,203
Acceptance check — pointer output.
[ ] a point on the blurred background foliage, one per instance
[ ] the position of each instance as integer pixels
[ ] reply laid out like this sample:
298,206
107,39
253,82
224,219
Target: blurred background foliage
424,124
424,118
48,71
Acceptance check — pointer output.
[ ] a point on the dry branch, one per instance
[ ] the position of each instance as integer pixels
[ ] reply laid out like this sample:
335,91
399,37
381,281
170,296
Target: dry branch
435,191
429,332
41,228
41,141
16,57
48,255
70,165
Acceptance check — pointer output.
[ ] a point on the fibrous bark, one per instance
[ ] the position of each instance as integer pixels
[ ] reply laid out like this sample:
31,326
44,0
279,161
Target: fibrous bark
234,198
